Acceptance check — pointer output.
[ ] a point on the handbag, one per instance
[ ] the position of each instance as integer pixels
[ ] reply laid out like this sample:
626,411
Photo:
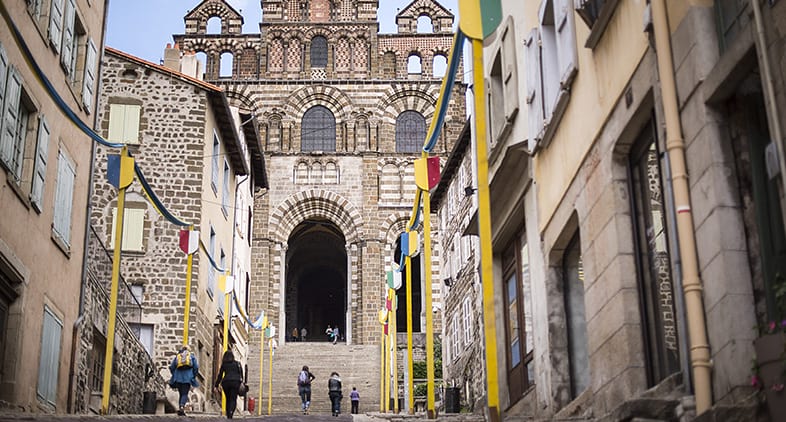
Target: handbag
242,390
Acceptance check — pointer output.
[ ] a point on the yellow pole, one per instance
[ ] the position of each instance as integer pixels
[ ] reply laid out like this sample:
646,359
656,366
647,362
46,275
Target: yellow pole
187,312
430,410
382,371
394,354
270,379
675,144
261,365
484,224
387,366
125,179
225,346
410,384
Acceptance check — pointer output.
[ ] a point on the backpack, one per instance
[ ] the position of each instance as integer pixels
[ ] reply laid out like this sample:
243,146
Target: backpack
184,359
302,379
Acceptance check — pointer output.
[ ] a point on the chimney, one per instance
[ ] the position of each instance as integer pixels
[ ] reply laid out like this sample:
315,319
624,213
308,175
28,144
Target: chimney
189,65
172,57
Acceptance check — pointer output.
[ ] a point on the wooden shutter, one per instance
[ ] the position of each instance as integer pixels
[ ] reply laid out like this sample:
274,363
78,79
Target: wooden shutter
3,75
510,79
534,89
90,75
56,23
67,48
216,153
49,363
565,23
64,198
39,172
10,115
225,191
131,124
133,229
116,122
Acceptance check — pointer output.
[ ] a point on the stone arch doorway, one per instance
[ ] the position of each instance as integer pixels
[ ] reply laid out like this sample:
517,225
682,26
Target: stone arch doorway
316,279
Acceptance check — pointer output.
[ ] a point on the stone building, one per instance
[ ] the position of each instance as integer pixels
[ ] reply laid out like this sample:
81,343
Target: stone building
343,113
45,162
196,153
621,250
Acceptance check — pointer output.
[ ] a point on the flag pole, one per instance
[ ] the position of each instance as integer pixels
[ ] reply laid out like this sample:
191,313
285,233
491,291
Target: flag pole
382,369
270,376
394,346
430,410
411,382
189,272
261,366
387,365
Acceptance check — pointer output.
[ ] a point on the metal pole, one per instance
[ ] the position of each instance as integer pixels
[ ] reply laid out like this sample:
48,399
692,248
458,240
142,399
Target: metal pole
484,225
270,378
187,312
382,371
410,382
394,354
261,365
430,410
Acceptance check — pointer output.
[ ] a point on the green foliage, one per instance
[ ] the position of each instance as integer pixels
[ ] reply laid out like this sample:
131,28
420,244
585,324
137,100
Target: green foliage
419,367
421,390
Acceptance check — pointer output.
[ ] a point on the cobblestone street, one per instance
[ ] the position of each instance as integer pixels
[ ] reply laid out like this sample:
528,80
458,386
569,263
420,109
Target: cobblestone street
368,417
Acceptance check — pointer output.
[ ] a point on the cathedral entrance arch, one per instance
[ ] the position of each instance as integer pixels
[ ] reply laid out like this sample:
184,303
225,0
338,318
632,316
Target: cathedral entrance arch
316,280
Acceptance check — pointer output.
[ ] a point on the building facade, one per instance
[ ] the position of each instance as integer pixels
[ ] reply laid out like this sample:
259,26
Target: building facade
630,287
46,163
343,113
203,161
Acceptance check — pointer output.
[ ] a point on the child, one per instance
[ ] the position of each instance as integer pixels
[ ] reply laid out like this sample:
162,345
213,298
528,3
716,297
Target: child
355,397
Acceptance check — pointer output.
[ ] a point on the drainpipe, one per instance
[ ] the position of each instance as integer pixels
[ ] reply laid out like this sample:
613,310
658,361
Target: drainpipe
675,145
769,89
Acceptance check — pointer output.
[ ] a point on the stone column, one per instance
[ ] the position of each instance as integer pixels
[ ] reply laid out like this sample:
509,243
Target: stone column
350,249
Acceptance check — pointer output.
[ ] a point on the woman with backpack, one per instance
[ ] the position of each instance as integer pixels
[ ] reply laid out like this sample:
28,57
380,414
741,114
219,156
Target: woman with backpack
184,369
230,377
304,387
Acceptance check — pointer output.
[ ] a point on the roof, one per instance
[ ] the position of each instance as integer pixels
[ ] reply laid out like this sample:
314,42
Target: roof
452,165
251,132
217,100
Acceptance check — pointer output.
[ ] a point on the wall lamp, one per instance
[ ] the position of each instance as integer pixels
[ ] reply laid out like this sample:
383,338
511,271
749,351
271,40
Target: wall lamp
448,281
469,190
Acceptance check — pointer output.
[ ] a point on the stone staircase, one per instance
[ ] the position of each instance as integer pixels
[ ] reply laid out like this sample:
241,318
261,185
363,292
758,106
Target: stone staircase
358,366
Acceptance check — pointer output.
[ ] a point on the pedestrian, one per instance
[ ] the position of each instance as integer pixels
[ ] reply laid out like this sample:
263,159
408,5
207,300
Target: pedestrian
184,369
294,334
304,388
303,333
230,377
334,392
355,397
329,333
335,334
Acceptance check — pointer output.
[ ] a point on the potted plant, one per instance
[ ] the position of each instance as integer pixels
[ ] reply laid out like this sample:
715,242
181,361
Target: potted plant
770,363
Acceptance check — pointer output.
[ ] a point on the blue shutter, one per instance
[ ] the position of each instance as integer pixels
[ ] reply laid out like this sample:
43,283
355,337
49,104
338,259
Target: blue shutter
39,172
49,363
64,198
90,75
13,92
56,24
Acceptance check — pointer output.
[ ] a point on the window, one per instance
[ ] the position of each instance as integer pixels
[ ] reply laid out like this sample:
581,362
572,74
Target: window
439,66
214,25
414,64
64,195
49,363
410,131
138,291
133,228
97,355
578,350
731,20
467,313
318,131
39,169
56,23
225,70
319,52
215,161
68,47
250,223
124,123
225,190
455,340
596,14
144,332
551,67
16,114
211,272
424,25
517,337
496,99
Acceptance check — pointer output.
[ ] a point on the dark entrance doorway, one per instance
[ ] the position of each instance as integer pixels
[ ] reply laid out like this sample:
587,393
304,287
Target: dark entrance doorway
316,279
401,294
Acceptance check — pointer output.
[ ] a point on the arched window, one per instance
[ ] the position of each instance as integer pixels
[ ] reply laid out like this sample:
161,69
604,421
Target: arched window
414,65
410,131
319,52
439,66
318,131
214,25
425,25
226,65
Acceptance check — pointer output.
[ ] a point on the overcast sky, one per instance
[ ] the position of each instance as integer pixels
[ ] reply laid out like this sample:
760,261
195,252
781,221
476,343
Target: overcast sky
143,27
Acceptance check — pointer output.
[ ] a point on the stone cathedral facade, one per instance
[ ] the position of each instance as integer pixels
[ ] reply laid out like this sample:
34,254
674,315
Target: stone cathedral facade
343,111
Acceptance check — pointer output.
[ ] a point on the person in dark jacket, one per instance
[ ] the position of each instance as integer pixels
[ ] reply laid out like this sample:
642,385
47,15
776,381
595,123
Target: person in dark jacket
230,376
304,387
184,369
334,392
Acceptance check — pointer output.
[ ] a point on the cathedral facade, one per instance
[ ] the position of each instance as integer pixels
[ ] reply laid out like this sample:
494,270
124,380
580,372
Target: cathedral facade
343,113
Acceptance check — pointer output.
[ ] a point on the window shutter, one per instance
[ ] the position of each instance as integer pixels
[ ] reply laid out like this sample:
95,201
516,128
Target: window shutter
216,152
39,174
510,74
49,363
56,23
565,23
3,76
131,124
116,122
133,229
90,75
67,48
534,89
64,198
10,115
225,192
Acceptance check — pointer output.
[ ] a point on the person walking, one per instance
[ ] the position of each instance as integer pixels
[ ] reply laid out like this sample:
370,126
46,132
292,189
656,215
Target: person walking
304,388
303,333
334,392
230,377
184,369
355,397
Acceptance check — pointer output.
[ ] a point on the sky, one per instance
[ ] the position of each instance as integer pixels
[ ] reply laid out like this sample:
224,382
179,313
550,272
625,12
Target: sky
142,28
